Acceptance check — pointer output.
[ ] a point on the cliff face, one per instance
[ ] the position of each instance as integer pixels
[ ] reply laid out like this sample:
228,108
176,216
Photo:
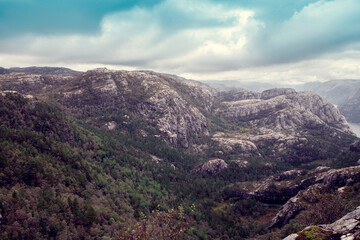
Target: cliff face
321,182
285,120
285,109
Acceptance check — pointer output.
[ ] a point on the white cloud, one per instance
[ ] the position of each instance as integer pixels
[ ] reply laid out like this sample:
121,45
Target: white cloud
137,37
320,27
204,40
345,65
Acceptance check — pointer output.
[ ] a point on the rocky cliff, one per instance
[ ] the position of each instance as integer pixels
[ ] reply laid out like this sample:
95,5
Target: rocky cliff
300,189
285,109
284,118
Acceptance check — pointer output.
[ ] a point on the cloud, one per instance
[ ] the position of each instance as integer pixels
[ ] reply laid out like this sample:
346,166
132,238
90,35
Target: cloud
318,28
146,37
59,16
192,38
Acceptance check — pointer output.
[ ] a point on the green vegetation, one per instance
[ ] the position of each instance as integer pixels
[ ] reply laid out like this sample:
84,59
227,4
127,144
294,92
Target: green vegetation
63,176
314,233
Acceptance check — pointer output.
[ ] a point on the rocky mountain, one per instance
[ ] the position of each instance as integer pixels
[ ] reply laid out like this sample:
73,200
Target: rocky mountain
343,93
278,121
148,141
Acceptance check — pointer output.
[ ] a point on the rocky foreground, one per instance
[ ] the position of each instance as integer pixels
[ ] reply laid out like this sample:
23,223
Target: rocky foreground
346,228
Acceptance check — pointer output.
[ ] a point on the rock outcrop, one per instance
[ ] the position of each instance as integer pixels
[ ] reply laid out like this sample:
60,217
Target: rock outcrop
211,167
285,109
346,228
317,182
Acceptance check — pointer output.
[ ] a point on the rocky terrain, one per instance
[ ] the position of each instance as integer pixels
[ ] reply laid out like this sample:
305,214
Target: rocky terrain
342,93
276,122
346,228
243,152
309,189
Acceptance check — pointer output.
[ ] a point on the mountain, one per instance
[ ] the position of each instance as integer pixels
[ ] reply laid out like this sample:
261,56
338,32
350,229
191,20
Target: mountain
343,93
351,107
187,113
89,155
40,70
335,91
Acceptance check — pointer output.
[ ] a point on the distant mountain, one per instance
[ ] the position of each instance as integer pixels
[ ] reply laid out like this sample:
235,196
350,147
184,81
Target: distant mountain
228,85
335,91
41,70
343,93
351,107
3,70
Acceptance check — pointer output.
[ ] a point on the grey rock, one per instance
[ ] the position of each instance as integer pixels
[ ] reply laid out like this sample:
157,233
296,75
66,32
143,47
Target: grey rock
333,178
284,109
294,205
291,237
211,167
271,93
345,224
338,177
346,228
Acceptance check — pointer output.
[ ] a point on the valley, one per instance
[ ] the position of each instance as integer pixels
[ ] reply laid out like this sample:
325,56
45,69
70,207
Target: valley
92,155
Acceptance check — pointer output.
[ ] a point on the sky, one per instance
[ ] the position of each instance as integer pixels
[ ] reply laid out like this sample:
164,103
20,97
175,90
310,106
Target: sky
290,41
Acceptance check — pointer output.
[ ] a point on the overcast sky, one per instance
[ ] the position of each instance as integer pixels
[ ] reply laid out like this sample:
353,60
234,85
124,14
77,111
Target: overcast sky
262,40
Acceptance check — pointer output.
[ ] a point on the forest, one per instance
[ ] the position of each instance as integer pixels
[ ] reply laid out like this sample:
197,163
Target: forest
62,178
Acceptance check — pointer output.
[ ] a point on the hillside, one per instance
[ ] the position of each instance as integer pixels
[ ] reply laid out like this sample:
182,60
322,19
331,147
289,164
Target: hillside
84,155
